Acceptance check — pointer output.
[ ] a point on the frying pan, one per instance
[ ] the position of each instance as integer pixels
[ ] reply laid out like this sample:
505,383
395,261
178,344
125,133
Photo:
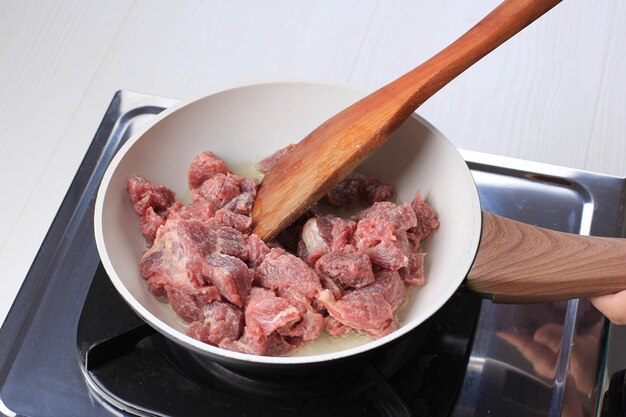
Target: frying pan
509,261
242,125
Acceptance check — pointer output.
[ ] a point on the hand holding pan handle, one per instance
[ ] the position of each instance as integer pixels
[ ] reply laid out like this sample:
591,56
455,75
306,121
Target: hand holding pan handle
517,262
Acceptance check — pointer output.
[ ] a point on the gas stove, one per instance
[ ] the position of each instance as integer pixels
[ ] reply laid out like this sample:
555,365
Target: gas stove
70,346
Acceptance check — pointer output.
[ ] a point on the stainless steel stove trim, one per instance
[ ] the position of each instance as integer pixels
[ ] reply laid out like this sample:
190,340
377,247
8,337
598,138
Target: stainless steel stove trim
57,271
133,109
562,368
597,203
604,195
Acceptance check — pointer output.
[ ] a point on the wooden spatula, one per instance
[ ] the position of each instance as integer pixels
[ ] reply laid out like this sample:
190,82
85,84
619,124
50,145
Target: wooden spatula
340,144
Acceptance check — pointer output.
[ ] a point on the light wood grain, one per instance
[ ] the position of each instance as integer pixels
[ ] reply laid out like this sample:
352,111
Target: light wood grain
518,263
340,144
607,142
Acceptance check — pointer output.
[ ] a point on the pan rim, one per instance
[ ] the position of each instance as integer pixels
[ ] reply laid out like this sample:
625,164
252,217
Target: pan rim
231,356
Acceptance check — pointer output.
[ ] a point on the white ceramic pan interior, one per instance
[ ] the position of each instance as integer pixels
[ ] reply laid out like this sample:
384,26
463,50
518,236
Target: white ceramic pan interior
242,125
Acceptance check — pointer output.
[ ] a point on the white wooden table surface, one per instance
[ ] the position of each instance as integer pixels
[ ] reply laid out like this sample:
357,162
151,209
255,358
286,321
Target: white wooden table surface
555,93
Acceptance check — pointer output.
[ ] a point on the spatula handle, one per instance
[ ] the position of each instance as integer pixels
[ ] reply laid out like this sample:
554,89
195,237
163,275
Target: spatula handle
520,263
340,144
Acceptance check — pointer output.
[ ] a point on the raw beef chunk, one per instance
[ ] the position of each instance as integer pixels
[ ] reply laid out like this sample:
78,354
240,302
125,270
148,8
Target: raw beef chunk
426,218
341,233
198,210
382,233
402,217
176,255
173,267
152,203
149,224
413,273
249,185
374,190
252,342
269,312
203,167
265,165
365,311
329,284
220,321
217,190
257,249
390,285
230,275
241,204
348,193
226,240
310,325
347,269
206,295
317,237
356,192
372,231
283,270
183,302
279,345
143,194
264,314
323,234
239,222
335,328
388,254
308,328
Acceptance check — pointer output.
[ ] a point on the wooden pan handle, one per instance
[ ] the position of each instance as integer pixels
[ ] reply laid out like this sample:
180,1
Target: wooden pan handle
519,263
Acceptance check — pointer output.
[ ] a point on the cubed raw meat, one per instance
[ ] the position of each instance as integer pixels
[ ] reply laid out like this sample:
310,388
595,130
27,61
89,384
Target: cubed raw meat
144,194
371,231
149,224
257,249
426,218
220,321
230,275
239,222
389,254
218,190
347,269
391,286
317,238
287,271
353,192
413,273
268,311
367,312
279,345
402,217
252,342
203,167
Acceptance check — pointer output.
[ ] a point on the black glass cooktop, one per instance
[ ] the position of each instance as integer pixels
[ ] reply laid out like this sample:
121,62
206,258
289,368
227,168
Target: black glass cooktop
137,369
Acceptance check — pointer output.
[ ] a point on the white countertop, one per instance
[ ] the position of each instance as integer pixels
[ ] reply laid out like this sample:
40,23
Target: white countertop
555,93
